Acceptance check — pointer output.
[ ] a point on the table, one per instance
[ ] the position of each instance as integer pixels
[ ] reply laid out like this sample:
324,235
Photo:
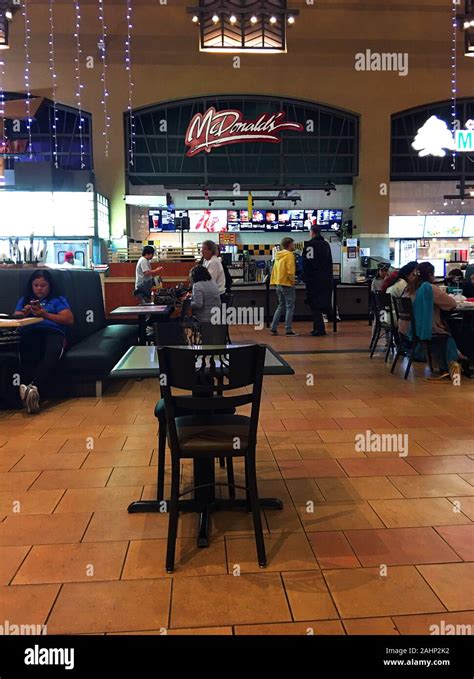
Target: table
161,312
18,322
142,361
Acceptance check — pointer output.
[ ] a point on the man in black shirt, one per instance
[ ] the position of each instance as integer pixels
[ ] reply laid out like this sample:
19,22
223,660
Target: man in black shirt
317,274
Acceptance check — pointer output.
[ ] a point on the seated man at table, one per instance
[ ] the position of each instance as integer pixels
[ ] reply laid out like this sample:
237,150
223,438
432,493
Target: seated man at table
41,344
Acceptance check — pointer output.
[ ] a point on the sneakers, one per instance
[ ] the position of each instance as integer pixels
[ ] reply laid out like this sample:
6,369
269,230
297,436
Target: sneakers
274,332
32,399
292,334
442,376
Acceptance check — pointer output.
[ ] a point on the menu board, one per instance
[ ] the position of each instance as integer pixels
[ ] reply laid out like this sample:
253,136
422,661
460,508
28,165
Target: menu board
208,221
444,226
161,221
329,220
469,227
406,227
271,220
297,220
73,213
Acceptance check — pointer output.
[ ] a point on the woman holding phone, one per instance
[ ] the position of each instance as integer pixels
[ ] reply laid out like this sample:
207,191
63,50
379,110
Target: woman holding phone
41,344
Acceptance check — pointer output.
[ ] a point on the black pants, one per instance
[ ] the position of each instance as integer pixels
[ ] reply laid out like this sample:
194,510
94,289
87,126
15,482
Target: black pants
318,308
40,352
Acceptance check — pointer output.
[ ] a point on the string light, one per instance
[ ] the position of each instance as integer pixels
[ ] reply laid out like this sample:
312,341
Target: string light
27,74
52,68
103,78
453,77
128,67
3,139
2,106
79,84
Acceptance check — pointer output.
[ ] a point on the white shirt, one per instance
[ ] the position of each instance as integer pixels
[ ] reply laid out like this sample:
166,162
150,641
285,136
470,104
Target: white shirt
214,266
143,265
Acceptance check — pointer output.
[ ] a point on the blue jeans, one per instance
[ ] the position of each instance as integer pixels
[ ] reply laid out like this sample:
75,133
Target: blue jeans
286,303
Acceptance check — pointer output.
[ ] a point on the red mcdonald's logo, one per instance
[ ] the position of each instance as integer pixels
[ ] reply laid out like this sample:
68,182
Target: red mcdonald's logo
218,128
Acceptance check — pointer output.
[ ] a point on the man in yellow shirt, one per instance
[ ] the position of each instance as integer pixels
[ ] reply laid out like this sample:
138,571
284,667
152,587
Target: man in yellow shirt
283,276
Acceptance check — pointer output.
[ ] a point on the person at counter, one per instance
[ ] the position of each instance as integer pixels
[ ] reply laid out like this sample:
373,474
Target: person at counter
212,262
283,276
41,344
428,303
205,294
69,259
318,276
144,275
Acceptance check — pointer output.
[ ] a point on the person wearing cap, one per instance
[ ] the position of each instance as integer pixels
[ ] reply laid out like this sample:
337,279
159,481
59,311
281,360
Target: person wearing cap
69,259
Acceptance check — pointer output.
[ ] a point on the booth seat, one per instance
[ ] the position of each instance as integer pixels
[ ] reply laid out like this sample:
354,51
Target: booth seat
94,345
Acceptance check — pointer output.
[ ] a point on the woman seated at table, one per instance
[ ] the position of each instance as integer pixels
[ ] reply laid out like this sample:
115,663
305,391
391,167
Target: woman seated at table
405,275
428,303
41,344
205,299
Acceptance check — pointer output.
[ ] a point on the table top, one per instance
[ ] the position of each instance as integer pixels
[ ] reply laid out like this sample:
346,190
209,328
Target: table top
18,322
141,309
142,361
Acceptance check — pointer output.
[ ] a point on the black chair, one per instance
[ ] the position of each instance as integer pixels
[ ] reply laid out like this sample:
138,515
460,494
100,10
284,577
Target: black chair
174,334
211,375
408,345
382,305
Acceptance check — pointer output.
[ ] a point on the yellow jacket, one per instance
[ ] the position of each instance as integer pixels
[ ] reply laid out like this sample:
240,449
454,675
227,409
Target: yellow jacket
284,269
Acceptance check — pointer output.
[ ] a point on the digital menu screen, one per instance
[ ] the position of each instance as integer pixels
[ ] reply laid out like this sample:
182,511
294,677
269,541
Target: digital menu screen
444,226
161,220
329,220
271,220
297,220
469,227
310,218
406,227
233,220
258,219
154,221
284,220
208,221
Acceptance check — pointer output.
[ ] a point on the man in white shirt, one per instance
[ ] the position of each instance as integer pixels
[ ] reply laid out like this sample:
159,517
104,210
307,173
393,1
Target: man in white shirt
144,274
213,264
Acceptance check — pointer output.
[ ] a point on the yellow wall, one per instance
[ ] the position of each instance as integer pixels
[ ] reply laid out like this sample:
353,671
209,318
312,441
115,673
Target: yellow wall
319,66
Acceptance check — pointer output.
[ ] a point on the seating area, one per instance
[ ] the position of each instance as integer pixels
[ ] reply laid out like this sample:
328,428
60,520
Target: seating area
347,509
94,344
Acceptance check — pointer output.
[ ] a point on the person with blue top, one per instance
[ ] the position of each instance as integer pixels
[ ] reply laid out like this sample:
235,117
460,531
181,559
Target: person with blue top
428,303
41,344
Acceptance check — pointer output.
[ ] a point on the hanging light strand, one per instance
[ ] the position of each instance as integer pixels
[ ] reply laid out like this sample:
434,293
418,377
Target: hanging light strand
103,51
128,67
3,139
27,73
453,77
79,85
52,69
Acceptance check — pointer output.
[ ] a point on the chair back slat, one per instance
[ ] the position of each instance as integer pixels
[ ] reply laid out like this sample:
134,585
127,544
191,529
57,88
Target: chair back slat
208,374
403,308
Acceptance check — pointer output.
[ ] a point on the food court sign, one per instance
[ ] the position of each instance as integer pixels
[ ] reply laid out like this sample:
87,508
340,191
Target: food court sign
434,138
214,129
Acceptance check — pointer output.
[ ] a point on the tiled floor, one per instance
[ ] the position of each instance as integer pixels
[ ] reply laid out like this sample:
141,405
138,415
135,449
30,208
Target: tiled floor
368,542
